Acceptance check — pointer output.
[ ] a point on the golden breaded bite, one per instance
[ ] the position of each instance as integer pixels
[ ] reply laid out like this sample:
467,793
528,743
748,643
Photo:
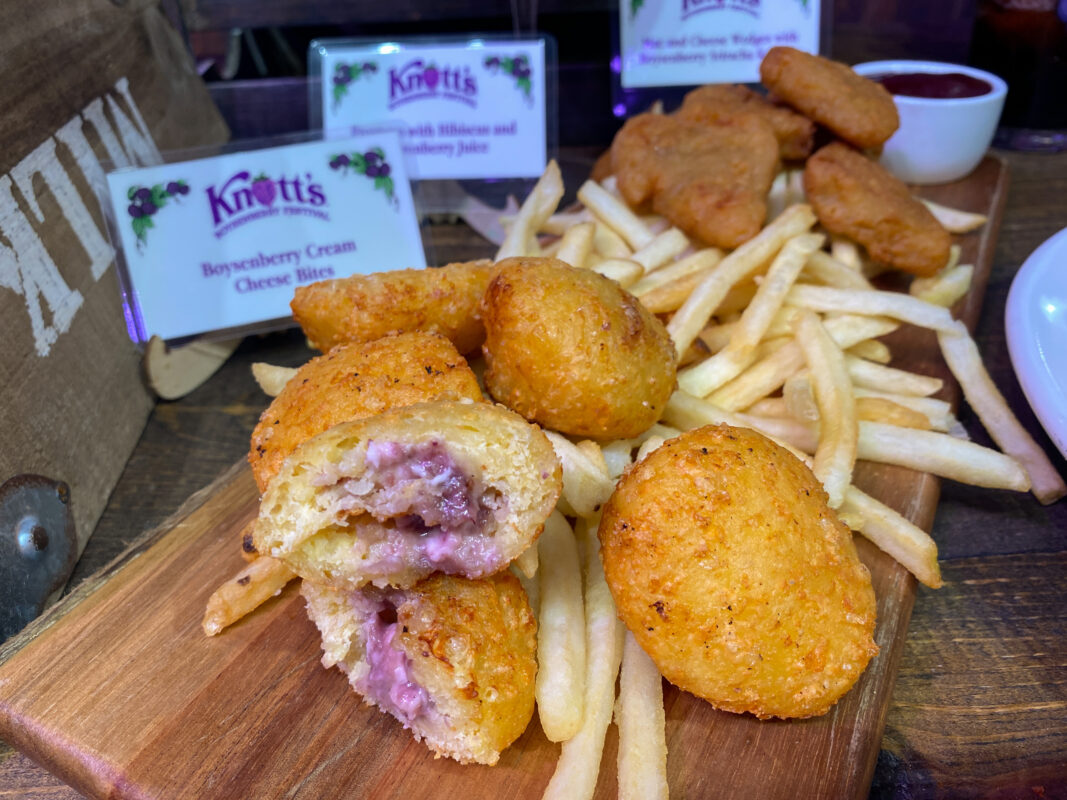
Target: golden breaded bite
856,197
572,350
357,380
708,178
735,576
456,487
452,659
795,132
362,308
858,110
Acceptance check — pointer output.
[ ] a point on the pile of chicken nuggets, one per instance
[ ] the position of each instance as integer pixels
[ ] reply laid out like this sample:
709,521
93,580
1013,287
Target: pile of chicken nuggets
708,167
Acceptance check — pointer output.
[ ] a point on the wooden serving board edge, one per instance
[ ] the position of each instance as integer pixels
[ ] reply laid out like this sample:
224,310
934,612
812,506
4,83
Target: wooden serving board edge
968,311
98,579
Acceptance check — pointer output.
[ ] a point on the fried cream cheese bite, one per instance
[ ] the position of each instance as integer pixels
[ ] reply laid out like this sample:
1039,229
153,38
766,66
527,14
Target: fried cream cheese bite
361,308
353,381
452,659
736,578
574,351
453,487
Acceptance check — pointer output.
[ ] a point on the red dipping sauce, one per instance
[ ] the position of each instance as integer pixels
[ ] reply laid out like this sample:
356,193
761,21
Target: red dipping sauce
934,85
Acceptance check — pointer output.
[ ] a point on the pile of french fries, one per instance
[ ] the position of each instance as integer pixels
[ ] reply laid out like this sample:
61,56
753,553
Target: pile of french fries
780,335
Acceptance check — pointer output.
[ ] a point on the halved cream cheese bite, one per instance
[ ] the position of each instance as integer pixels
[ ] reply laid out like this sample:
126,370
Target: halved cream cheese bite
452,659
455,487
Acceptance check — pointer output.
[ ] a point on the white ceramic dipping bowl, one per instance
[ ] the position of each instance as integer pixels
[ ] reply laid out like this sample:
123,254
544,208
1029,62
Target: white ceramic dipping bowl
939,139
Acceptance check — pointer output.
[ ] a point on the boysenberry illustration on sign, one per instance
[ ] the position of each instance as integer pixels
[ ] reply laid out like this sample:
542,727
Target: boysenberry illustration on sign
264,189
145,203
518,68
372,164
345,74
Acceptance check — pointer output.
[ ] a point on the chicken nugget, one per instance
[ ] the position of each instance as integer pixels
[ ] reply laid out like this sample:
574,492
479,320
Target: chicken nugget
858,110
710,179
456,487
795,132
857,197
574,351
735,577
362,308
356,380
452,659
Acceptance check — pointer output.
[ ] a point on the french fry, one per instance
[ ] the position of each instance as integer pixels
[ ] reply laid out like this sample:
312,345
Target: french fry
953,220
560,686
579,761
618,454
776,199
725,365
527,562
699,262
621,270
670,297
586,483
799,396
940,454
576,244
892,533
879,409
847,252
695,312
614,213
938,412
557,224
608,243
888,304
826,269
877,377
687,412
961,355
794,179
246,591
835,455
944,288
650,444
655,223
639,714
535,211
661,250
769,407
767,375
871,350
271,378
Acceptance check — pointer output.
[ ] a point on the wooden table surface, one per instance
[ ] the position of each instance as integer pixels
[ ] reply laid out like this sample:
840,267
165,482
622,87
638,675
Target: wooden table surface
980,703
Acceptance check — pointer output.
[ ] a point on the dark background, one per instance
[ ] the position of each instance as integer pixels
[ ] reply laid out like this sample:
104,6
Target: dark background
253,53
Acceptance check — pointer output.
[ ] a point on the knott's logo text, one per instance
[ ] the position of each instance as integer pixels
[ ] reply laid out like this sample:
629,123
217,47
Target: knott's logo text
244,198
692,7
420,80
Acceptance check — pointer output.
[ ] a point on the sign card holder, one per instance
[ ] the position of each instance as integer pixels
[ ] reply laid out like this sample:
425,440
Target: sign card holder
665,47
213,243
477,114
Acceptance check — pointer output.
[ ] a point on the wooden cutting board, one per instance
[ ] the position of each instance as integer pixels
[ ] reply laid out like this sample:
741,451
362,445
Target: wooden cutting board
117,691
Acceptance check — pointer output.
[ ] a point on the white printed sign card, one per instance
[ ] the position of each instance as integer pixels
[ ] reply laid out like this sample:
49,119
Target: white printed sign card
472,109
691,42
220,243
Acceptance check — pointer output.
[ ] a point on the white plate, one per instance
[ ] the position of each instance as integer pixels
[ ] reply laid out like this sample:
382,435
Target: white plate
1036,326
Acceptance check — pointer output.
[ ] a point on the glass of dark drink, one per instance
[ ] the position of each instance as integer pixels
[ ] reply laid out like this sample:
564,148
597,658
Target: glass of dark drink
1025,43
